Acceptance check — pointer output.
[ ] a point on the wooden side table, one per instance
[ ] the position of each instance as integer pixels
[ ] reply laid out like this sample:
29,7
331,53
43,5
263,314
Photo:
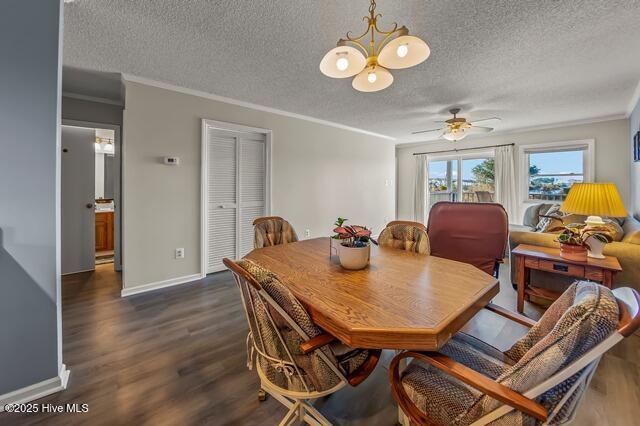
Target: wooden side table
528,257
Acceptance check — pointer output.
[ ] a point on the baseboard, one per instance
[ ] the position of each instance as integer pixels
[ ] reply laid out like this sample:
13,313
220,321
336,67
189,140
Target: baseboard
78,272
37,390
158,285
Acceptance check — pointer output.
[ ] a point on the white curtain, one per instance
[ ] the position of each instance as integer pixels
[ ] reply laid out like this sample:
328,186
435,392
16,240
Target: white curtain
505,181
421,188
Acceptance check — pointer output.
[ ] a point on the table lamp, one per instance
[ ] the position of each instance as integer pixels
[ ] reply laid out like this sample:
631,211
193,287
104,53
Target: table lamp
594,200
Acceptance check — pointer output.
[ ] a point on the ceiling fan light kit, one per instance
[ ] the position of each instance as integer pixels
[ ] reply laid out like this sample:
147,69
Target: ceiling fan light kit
394,49
458,128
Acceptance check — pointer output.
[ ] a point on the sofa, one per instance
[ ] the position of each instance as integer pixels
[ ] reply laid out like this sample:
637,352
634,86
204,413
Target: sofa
627,250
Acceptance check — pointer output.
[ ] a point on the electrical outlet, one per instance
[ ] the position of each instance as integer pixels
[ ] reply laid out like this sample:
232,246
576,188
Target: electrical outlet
179,253
307,233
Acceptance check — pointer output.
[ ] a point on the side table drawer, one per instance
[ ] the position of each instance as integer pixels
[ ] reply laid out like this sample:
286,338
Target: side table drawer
561,268
531,262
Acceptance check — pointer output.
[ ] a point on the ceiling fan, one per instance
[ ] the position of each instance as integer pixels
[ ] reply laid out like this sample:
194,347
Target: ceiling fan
458,128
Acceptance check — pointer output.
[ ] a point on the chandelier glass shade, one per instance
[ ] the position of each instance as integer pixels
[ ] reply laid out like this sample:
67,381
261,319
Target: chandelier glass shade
370,61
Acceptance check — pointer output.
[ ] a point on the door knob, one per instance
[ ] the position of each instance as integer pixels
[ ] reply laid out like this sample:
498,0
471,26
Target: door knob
89,205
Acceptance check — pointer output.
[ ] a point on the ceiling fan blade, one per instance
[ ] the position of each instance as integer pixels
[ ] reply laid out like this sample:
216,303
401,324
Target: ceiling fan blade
479,129
486,119
426,131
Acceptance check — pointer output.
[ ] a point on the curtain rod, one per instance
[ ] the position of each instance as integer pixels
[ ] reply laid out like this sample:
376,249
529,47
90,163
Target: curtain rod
463,149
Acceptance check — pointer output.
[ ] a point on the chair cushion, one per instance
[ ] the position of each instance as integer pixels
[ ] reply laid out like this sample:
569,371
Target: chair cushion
443,397
585,314
405,237
582,317
314,369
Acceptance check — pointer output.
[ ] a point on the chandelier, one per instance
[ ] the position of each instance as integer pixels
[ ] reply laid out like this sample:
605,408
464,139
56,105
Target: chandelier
394,49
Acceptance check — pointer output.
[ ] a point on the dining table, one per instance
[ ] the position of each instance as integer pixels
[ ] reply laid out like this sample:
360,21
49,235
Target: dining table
401,300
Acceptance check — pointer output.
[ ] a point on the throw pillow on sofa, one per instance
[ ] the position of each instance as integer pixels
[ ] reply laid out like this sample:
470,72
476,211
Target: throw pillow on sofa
551,219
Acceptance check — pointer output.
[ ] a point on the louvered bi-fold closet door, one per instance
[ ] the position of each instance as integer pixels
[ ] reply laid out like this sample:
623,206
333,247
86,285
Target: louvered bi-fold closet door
222,178
252,187
236,193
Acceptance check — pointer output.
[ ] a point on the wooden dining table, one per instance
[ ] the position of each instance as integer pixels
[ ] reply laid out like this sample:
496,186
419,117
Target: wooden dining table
402,300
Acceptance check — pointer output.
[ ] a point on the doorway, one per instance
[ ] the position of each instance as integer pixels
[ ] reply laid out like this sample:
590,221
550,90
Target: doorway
90,196
462,178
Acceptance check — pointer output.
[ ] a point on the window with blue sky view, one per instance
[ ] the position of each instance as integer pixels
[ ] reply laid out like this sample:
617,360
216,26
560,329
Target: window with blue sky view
551,174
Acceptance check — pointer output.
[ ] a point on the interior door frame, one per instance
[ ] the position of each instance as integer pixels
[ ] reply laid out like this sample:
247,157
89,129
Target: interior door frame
117,186
208,125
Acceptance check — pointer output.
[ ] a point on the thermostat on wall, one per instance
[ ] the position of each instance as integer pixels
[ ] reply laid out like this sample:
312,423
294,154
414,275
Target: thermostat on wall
172,161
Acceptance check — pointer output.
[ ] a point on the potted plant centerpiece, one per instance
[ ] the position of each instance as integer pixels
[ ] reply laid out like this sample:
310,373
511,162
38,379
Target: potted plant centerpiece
575,242
355,244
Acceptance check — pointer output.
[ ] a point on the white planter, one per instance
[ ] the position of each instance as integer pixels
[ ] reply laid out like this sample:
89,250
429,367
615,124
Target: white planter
596,247
354,258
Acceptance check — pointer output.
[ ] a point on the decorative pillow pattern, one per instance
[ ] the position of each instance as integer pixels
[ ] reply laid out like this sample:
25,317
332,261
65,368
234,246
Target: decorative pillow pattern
550,220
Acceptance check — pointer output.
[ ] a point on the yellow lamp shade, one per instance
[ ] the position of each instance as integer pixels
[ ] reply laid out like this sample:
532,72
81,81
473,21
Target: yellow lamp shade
404,52
594,199
372,79
342,62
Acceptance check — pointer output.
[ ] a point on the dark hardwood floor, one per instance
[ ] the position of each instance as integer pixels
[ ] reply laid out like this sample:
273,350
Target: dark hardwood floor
178,356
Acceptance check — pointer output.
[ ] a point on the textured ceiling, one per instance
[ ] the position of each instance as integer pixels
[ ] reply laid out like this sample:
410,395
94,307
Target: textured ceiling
531,62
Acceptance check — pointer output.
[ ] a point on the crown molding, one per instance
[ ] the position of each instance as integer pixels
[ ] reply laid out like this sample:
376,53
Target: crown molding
91,98
580,122
635,98
206,95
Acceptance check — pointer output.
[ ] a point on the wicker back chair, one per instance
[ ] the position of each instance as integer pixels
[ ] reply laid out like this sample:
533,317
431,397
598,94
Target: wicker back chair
541,378
272,231
296,361
405,235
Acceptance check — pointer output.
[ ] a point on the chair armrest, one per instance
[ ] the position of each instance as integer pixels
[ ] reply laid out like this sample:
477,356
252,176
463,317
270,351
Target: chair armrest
465,374
316,342
513,316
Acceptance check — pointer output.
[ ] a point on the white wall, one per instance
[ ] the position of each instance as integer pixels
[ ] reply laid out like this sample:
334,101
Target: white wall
634,126
611,156
30,48
319,172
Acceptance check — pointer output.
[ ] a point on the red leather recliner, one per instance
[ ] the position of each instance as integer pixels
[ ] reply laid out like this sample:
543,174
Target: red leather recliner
474,233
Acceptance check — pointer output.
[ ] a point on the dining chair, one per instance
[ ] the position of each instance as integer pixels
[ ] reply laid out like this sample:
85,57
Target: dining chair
272,231
405,235
474,233
296,361
541,378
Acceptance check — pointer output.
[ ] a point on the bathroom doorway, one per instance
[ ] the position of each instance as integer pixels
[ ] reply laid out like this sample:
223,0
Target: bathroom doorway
90,194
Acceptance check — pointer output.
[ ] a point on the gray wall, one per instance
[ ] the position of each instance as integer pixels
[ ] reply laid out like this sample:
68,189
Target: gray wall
634,126
29,266
319,172
97,112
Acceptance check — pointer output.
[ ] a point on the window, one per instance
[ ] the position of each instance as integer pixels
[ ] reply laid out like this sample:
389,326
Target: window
552,169
461,178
